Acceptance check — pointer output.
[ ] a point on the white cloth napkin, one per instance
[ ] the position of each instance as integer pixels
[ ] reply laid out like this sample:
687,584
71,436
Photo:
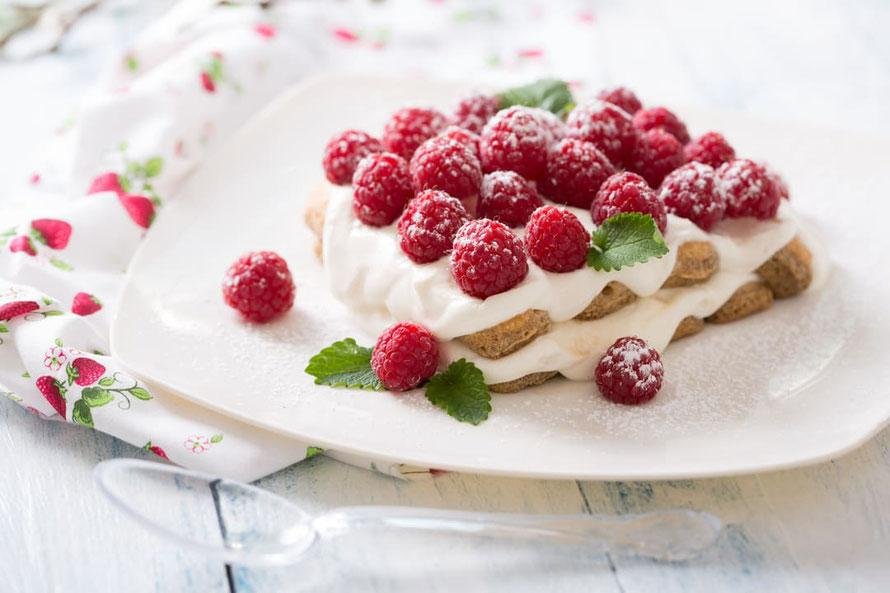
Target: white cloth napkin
187,83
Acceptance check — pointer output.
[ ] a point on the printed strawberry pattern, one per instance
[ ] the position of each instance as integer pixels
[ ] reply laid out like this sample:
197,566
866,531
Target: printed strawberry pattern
213,72
43,236
134,186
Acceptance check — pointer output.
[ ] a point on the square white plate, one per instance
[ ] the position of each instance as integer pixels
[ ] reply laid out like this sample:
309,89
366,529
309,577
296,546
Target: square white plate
802,382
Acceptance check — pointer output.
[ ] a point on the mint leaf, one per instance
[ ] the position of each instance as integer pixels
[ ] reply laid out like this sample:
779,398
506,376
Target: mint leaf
461,391
548,93
624,240
344,364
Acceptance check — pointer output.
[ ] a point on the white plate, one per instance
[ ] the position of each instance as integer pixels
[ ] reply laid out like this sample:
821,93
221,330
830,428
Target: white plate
803,382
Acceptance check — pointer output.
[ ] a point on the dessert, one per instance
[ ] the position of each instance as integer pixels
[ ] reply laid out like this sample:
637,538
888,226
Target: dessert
578,249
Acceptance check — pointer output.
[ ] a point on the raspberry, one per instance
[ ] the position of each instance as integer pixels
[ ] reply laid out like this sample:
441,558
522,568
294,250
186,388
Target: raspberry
487,258
692,192
556,240
661,117
464,136
711,148
656,154
781,186
259,286
630,372
343,153
622,97
507,197
405,356
474,112
428,225
409,128
551,123
627,192
440,163
608,127
749,190
382,187
515,139
575,172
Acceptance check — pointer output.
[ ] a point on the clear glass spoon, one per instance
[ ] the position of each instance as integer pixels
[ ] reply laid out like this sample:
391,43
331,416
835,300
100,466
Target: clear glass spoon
253,527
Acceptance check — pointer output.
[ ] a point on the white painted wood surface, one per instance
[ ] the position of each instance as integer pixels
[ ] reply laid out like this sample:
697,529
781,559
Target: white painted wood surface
823,528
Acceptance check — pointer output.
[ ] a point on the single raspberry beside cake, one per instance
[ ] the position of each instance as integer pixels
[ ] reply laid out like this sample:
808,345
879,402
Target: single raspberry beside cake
556,240
692,192
487,258
627,192
473,112
428,225
508,197
405,356
661,118
381,188
259,286
448,165
515,139
622,97
749,190
575,171
656,154
343,153
605,125
630,372
711,148
409,128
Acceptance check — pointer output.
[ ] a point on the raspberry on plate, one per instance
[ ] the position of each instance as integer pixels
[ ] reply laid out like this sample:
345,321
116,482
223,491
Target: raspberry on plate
663,118
410,127
749,190
556,240
428,225
627,192
487,258
692,192
711,148
473,112
448,165
575,171
630,372
508,197
259,286
605,125
464,136
381,188
622,97
516,139
343,153
405,356
656,154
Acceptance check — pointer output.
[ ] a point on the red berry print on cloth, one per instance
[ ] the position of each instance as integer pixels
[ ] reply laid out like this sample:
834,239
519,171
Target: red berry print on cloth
213,74
140,209
345,35
265,30
51,232
17,308
207,82
152,448
53,392
85,371
108,181
85,304
22,244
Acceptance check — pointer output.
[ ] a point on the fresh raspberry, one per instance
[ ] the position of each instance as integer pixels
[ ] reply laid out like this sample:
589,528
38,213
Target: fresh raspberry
508,197
464,136
627,192
622,97
749,190
381,188
409,128
440,163
108,181
656,154
405,356
575,171
692,192
605,125
661,117
515,139
343,153
630,372
781,186
428,225
474,112
259,286
556,240
551,123
711,148
487,258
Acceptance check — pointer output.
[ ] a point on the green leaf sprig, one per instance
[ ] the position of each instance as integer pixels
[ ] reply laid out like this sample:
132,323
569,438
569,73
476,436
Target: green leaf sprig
548,93
625,239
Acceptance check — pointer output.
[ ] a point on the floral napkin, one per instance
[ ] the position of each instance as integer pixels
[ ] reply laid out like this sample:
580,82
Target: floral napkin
187,83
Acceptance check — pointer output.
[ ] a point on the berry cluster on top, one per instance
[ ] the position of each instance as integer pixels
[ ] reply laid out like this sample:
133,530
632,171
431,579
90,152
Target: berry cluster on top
457,184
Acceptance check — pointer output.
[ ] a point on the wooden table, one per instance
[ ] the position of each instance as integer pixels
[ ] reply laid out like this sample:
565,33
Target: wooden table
822,528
